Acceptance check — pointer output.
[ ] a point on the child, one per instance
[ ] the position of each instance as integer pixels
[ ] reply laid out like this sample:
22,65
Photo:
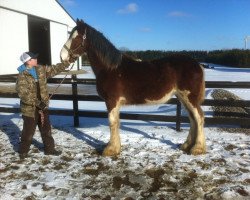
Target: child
31,87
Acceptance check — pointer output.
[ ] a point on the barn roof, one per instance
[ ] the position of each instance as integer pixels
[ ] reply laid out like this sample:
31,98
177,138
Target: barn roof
46,9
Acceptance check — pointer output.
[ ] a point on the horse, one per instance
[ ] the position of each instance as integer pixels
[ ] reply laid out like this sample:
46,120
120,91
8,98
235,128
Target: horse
123,80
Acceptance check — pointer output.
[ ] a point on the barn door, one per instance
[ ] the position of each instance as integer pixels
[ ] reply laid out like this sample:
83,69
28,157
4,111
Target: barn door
39,39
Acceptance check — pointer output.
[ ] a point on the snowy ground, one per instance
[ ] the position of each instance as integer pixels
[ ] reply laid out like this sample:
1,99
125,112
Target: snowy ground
150,166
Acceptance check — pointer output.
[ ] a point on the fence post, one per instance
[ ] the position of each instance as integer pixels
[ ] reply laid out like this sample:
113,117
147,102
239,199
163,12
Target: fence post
75,101
178,115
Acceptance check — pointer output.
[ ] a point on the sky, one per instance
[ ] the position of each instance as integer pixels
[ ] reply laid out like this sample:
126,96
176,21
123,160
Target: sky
173,25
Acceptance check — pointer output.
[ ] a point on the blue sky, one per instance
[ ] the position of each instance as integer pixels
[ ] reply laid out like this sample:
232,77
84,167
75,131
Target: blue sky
167,24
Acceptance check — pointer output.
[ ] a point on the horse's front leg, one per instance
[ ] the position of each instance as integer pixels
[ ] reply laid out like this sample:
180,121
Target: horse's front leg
114,146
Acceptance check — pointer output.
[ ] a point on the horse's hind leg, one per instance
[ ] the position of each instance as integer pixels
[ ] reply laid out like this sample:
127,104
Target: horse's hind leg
195,143
199,140
187,145
114,146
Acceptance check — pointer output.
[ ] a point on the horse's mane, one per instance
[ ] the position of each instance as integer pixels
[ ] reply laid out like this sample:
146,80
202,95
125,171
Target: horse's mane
105,50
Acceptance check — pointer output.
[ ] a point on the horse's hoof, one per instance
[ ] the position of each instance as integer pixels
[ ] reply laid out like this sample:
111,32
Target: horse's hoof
185,147
109,151
198,150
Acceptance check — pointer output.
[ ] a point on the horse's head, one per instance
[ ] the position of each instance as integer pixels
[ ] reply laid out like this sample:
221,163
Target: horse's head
76,44
86,39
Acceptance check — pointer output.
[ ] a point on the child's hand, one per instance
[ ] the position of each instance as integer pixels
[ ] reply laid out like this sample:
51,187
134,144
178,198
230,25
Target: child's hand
41,105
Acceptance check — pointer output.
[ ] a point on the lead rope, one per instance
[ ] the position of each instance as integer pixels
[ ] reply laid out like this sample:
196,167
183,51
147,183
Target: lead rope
42,116
52,94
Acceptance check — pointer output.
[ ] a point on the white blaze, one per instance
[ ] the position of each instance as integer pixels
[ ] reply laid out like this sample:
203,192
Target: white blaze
64,52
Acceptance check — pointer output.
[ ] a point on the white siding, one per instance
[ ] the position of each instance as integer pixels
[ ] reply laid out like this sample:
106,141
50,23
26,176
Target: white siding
13,40
58,35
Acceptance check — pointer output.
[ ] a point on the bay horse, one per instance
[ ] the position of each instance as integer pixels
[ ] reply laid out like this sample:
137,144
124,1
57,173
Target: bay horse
122,80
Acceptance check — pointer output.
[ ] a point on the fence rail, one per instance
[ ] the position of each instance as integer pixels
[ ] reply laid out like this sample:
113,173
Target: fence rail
234,119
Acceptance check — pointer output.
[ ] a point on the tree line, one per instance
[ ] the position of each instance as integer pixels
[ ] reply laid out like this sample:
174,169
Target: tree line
232,58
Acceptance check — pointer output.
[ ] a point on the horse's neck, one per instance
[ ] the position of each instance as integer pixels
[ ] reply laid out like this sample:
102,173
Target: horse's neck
95,62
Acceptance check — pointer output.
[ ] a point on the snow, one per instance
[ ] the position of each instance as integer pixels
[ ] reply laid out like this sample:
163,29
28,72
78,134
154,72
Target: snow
151,165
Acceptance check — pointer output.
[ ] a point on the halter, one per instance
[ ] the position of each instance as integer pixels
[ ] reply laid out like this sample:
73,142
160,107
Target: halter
71,52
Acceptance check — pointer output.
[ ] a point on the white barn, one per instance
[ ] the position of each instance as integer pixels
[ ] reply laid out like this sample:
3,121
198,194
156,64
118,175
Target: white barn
40,26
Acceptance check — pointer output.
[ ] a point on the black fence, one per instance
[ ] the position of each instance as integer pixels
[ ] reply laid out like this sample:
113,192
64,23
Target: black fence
233,119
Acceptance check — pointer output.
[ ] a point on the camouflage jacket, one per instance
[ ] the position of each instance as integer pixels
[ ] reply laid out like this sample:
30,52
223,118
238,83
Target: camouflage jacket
27,89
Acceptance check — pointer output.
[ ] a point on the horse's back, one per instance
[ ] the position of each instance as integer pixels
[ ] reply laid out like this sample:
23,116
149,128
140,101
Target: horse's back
178,62
174,61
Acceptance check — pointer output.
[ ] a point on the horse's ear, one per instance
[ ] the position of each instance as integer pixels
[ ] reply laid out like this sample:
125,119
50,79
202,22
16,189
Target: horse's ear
79,22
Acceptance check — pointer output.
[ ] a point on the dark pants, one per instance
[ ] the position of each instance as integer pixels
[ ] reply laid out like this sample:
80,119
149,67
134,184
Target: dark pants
29,128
